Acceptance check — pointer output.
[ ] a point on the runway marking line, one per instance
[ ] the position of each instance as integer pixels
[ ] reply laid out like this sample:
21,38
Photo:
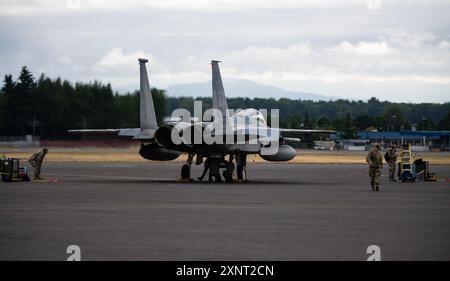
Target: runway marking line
46,180
111,177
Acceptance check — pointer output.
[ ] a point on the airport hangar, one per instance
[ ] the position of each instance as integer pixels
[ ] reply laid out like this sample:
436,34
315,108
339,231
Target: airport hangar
419,140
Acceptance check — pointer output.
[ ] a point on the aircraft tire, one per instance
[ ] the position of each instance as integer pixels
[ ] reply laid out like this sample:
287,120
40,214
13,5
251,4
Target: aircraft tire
186,171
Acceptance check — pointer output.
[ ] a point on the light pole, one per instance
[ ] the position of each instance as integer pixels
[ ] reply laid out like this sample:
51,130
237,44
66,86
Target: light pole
393,122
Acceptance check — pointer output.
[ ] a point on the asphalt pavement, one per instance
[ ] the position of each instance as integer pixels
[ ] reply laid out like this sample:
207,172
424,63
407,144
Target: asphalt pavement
136,211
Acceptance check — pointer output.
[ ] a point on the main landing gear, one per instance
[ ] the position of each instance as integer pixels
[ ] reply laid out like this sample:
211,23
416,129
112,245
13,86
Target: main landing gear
214,164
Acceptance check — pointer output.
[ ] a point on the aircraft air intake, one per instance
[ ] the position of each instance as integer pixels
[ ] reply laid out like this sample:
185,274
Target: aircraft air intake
285,153
182,133
157,153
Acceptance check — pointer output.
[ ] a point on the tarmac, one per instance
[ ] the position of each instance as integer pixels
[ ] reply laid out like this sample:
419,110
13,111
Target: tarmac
140,211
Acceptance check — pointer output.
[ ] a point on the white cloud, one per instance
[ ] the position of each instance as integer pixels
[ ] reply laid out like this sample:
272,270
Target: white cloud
116,59
444,45
14,7
122,68
34,7
227,5
269,53
292,67
411,39
362,48
327,47
65,59
367,63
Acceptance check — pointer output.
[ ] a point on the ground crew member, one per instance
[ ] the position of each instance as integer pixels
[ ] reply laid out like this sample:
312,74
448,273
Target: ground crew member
205,170
228,169
214,169
375,165
391,159
36,161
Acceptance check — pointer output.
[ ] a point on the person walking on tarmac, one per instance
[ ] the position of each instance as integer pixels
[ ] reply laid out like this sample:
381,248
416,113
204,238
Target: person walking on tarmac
205,169
391,158
375,162
36,162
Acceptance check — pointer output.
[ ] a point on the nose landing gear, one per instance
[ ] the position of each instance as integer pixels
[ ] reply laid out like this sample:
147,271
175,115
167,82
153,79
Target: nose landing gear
241,160
186,169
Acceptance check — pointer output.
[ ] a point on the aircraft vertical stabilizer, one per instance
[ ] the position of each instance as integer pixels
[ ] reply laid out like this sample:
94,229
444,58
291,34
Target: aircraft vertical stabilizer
147,109
219,99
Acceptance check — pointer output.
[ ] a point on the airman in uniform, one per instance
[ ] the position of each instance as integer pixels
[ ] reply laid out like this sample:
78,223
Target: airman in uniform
205,169
36,161
392,159
214,169
375,162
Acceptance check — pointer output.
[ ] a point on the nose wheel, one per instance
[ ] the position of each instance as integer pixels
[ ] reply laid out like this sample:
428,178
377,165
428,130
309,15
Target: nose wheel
186,169
228,171
241,160
186,172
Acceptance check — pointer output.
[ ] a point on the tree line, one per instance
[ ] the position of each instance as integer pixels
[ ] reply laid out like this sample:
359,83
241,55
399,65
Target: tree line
49,107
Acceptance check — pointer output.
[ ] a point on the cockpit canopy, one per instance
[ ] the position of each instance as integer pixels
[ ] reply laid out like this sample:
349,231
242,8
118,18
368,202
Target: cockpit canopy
249,117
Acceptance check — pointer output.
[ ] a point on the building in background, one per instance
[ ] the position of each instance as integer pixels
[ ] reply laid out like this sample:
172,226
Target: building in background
419,140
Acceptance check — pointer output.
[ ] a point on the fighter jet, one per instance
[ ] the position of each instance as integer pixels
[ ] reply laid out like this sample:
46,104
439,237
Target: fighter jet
219,134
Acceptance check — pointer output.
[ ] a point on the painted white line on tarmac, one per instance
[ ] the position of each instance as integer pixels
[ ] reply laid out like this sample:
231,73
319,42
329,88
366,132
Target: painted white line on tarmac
109,177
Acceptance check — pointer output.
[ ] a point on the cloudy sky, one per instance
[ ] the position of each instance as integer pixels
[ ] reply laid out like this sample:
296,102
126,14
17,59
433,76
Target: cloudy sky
394,50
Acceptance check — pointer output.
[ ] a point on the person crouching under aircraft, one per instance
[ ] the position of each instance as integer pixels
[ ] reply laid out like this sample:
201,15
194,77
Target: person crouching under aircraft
214,169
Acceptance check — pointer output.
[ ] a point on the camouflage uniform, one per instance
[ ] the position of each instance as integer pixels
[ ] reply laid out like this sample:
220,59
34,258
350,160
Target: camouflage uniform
214,169
392,156
375,165
205,170
36,161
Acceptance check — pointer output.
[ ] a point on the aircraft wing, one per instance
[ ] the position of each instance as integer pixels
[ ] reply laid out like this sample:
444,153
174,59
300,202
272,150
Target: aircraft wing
148,123
307,131
288,134
270,134
128,132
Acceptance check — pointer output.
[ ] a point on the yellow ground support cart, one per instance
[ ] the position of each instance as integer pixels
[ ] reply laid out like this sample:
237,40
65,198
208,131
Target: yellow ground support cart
407,165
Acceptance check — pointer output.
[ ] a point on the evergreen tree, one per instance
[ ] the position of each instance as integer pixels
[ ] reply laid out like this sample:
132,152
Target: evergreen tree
50,107
307,124
295,121
394,119
349,130
444,124
426,125
363,122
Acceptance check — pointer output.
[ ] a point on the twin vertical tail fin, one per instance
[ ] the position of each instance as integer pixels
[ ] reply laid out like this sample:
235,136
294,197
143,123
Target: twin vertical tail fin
219,99
147,109
148,121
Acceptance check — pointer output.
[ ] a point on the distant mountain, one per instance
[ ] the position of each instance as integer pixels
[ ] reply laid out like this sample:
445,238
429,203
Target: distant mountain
242,88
